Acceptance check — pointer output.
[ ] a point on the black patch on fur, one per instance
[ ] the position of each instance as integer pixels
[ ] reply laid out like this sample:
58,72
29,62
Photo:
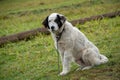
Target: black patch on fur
58,21
45,23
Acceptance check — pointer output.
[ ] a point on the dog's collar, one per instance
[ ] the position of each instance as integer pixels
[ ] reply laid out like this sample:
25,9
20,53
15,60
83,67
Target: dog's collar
58,36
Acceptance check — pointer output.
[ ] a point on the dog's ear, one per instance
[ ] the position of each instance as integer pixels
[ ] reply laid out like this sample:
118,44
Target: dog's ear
45,22
62,18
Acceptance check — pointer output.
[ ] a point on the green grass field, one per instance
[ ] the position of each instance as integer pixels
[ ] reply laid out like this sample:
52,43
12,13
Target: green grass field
36,59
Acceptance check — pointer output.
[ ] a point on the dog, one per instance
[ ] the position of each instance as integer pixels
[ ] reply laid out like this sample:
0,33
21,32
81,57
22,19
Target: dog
72,44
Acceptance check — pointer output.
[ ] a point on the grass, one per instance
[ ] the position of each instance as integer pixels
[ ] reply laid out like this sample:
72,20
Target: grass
16,19
36,59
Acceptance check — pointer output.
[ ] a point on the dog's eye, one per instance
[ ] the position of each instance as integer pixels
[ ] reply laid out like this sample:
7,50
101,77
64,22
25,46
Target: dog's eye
56,20
49,20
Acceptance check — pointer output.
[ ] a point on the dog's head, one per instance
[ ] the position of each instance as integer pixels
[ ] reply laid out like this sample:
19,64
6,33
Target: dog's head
54,22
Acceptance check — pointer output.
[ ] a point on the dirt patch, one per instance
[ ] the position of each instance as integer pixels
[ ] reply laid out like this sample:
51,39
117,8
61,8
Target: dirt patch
28,34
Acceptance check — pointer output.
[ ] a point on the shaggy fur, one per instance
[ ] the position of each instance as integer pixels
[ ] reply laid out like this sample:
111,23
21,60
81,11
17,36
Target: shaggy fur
72,44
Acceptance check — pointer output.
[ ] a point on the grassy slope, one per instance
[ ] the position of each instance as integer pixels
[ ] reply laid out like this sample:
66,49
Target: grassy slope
15,17
37,59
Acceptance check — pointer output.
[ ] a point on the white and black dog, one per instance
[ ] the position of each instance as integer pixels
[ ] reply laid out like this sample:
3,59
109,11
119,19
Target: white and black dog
72,44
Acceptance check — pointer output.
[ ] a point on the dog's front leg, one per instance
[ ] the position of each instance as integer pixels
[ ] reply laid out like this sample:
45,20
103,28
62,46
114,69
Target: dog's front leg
66,63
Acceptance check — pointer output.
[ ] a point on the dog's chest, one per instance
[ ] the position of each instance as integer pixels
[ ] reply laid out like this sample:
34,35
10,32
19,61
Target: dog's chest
61,45
65,44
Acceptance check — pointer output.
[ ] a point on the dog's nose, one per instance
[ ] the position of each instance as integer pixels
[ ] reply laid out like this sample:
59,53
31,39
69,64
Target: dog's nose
52,27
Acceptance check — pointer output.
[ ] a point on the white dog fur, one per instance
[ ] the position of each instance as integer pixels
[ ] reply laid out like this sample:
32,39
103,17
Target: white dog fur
72,44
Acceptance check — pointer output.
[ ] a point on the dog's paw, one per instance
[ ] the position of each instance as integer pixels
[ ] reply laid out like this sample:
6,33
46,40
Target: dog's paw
78,69
63,73
86,68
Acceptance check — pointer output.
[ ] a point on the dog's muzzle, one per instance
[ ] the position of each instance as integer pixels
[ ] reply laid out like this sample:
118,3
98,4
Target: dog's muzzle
52,28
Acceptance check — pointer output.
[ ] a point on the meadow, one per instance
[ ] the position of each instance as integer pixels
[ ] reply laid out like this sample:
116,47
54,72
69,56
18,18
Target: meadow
36,59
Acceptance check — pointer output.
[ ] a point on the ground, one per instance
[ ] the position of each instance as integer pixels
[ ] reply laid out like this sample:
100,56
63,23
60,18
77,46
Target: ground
36,59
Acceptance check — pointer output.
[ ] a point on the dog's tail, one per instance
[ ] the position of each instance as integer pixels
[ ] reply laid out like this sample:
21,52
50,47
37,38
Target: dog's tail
103,59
